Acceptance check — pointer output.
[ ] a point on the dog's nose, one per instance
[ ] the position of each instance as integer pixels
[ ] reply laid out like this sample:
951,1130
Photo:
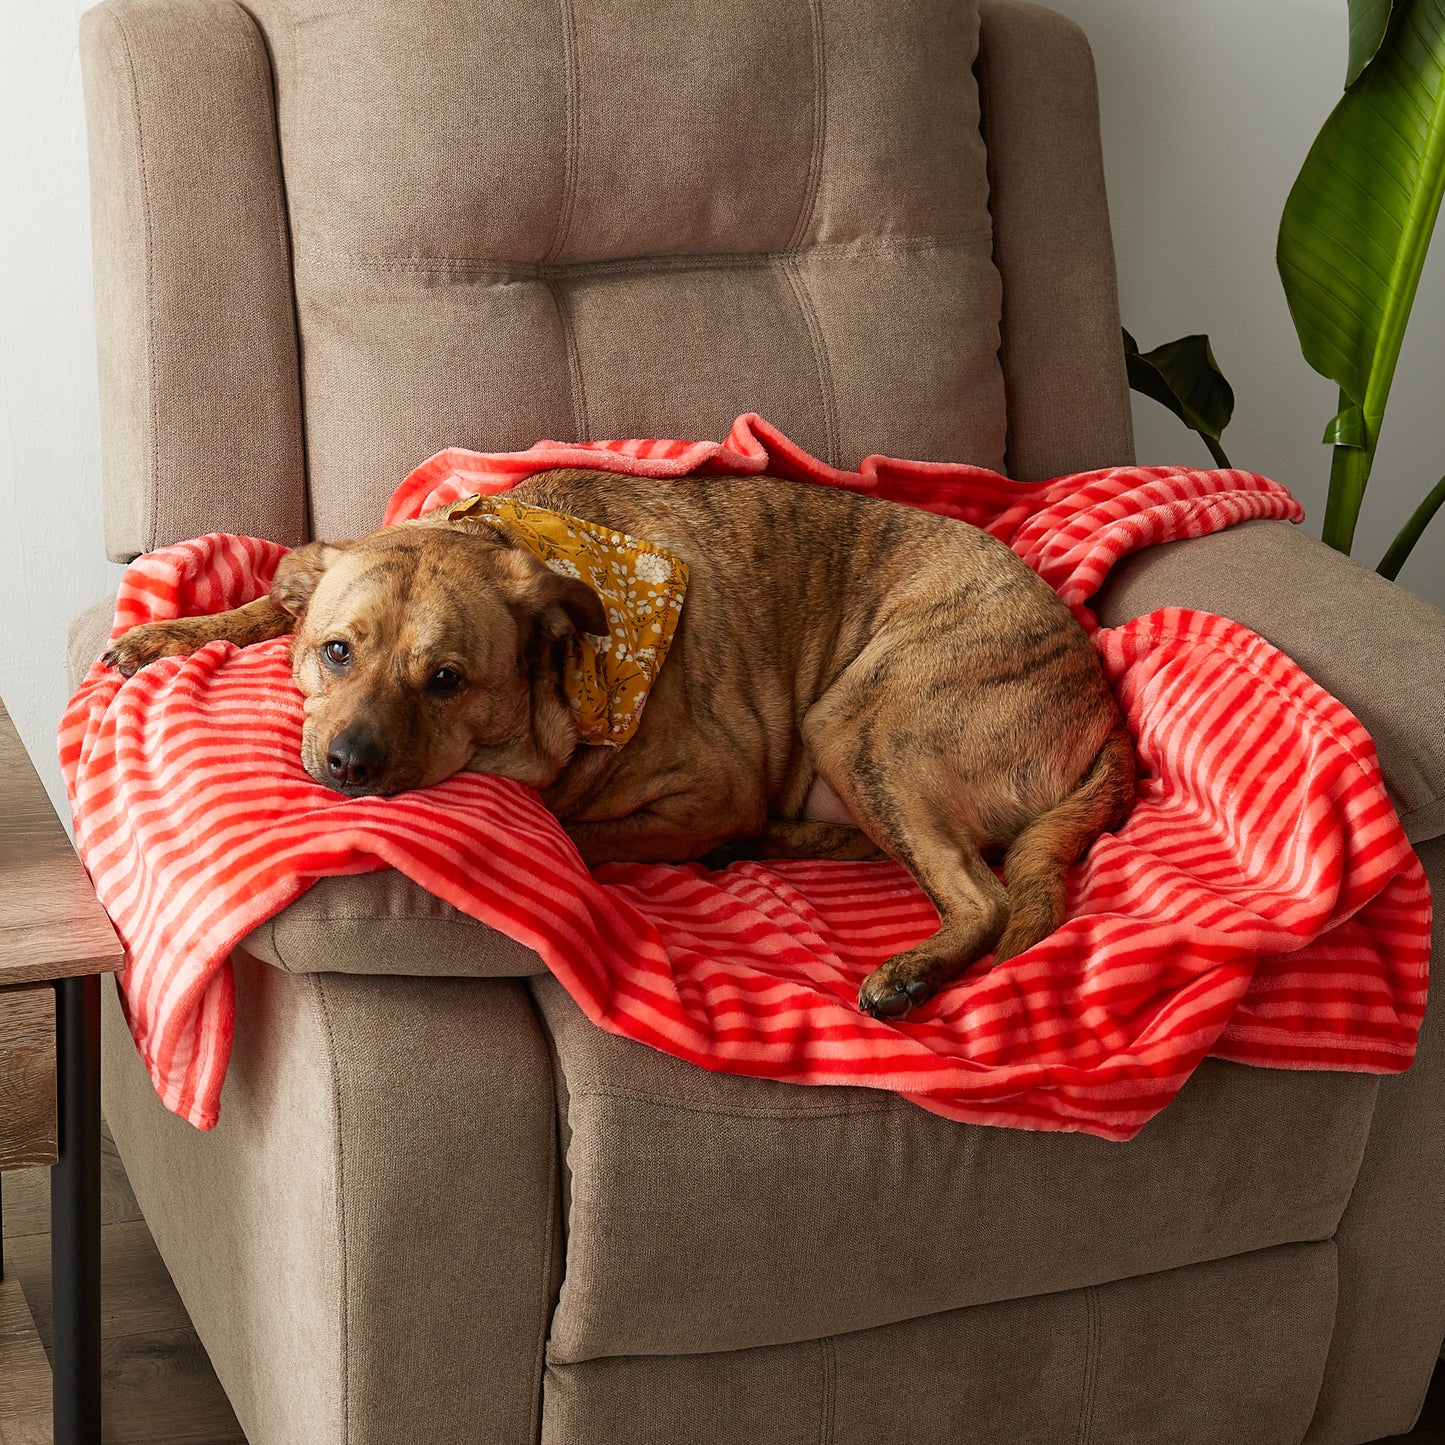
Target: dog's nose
355,757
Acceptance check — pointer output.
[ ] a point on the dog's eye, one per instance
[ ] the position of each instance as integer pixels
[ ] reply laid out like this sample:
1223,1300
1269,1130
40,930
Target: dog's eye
337,651
443,681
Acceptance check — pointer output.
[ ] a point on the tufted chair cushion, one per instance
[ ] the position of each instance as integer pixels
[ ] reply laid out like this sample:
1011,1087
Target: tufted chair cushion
618,217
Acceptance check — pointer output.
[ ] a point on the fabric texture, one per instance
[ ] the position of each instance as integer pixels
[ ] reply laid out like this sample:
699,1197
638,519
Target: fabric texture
605,679
595,219
384,923
1376,647
1229,1351
1263,849
1391,1248
1067,394
345,1191
709,1212
195,320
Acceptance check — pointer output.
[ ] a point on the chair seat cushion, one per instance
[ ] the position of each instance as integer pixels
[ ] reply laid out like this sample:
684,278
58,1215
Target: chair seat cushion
712,1212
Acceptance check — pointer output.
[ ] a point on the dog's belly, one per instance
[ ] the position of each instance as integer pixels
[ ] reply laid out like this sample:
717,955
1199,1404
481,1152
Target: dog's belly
823,805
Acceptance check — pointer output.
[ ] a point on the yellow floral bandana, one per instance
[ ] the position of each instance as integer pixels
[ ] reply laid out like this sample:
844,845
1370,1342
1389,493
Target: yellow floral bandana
606,679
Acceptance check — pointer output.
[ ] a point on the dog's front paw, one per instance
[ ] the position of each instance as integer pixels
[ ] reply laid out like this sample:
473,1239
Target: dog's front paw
146,644
891,990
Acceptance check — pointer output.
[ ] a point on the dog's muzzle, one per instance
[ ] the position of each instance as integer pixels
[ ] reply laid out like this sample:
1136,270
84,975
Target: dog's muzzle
356,761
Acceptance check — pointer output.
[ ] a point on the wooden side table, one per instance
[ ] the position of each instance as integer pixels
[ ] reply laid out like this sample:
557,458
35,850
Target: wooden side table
55,942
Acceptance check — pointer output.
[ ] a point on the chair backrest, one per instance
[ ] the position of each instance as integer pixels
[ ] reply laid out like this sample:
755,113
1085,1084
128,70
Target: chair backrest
330,240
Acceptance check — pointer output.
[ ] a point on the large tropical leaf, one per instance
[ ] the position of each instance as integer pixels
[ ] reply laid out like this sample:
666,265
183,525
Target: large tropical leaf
1356,228
1368,21
1361,211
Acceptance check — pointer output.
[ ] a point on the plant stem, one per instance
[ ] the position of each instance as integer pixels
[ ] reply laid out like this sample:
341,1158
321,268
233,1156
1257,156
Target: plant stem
1216,451
1349,471
1410,533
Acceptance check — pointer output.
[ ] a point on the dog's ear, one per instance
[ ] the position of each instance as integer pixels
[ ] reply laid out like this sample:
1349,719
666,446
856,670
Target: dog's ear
298,573
558,604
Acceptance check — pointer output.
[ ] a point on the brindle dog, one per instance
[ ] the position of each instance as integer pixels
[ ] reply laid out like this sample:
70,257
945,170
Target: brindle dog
848,676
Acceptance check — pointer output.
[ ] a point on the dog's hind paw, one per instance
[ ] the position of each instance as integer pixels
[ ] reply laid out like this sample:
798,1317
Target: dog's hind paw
883,995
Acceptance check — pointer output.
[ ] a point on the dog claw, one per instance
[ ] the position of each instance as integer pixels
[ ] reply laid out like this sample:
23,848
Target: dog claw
886,1006
897,1002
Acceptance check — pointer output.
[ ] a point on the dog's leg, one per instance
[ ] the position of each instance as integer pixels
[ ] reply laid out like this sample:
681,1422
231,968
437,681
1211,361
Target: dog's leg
257,621
802,838
972,910
677,828
896,800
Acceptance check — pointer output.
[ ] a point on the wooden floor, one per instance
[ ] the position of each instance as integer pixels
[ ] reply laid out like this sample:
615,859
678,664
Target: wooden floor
158,1386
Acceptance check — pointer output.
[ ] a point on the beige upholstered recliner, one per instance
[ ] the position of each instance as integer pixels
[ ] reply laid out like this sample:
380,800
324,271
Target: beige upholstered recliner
440,1206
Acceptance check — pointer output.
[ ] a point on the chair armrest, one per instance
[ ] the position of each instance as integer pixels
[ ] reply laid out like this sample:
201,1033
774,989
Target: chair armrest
369,1242
370,923
86,637
1376,647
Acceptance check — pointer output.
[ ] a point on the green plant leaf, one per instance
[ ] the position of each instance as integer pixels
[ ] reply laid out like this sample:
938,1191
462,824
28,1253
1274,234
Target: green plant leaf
1369,20
1357,225
1184,376
1347,429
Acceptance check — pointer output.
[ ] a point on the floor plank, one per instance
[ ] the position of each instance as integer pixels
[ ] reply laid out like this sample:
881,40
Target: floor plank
24,1373
160,1390
158,1387
137,1293
27,1194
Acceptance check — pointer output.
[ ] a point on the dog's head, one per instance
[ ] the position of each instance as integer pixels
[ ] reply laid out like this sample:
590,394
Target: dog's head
426,648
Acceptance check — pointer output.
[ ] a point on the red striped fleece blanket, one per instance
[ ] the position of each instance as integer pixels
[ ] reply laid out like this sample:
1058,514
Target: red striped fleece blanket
1261,904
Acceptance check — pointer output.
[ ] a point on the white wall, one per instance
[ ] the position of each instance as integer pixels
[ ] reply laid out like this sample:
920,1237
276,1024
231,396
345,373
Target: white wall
52,560
1208,108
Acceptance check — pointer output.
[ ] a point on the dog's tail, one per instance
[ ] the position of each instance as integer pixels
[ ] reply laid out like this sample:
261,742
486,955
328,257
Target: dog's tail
1037,862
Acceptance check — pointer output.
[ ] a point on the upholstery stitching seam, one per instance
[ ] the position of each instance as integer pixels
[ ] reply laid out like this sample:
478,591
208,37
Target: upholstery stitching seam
820,358
1416,812
346,1360
569,181
1091,1368
266,81
820,122
266,77
841,1111
580,421
987,123
411,918
828,1404
154,448
270,927
690,261
549,1234
308,511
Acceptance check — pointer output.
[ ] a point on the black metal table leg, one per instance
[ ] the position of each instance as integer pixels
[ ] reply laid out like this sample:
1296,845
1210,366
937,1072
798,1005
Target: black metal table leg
75,1214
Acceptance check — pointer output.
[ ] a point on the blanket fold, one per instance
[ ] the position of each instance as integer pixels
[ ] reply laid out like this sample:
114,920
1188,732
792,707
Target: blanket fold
1261,904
